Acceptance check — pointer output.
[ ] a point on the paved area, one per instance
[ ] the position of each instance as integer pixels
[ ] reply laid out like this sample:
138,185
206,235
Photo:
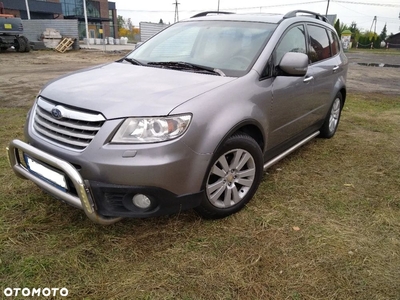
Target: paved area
373,59
127,47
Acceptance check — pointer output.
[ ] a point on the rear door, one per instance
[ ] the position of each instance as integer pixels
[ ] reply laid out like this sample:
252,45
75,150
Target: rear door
324,67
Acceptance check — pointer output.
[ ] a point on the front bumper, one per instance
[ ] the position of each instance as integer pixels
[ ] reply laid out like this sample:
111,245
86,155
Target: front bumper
103,203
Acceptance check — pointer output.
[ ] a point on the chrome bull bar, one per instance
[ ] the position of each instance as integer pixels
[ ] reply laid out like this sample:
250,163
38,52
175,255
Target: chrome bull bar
84,199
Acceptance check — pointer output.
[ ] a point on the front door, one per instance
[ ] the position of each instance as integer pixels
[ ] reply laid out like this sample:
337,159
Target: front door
290,110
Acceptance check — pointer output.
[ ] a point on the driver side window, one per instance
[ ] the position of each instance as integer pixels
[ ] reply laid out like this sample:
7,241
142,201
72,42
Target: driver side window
294,40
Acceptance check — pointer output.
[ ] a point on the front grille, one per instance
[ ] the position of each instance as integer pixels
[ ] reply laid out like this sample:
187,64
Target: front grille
65,126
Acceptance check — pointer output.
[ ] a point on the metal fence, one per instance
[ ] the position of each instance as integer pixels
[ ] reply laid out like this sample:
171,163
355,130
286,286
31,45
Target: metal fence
33,29
147,30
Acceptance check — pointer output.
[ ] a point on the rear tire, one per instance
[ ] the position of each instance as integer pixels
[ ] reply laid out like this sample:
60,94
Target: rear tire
27,44
232,178
332,119
21,44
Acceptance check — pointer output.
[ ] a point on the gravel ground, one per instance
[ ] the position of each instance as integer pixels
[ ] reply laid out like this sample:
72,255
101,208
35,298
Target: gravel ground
371,79
22,75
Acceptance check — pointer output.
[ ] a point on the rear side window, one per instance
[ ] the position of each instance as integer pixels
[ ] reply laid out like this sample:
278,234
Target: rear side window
334,42
320,45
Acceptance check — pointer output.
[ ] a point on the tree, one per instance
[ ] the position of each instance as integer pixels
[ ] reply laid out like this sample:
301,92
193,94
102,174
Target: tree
121,22
340,27
161,21
383,34
355,32
127,29
129,24
337,27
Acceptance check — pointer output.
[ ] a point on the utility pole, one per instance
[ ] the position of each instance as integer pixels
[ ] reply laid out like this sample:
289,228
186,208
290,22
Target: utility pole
27,9
373,21
86,22
176,11
218,7
327,8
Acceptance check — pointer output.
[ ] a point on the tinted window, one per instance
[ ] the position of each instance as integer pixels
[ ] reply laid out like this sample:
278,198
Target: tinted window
293,41
320,46
334,42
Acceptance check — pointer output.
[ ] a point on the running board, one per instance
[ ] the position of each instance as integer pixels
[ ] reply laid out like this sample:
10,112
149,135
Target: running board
290,150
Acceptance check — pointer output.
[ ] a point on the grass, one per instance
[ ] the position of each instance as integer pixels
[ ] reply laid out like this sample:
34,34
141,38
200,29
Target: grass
325,224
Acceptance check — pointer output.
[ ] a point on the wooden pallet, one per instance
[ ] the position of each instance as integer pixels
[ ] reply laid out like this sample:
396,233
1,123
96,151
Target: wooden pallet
64,44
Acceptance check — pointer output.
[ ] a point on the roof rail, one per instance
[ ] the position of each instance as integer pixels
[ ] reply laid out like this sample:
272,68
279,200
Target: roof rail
205,13
294,13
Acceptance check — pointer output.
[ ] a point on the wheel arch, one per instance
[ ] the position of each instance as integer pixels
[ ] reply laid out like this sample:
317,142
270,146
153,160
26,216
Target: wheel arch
249,127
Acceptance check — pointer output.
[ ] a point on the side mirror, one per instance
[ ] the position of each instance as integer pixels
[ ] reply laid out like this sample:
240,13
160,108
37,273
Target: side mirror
294,63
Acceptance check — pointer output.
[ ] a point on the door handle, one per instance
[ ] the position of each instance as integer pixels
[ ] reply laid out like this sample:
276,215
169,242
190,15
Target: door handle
308,79
335,68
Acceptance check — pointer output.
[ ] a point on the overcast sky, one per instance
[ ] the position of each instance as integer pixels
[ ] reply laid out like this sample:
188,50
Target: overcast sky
360,11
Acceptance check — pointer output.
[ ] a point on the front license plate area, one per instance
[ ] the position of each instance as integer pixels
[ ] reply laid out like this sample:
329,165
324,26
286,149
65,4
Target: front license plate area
48,174
7,26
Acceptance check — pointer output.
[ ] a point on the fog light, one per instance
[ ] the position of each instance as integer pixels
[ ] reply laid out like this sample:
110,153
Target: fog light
141,201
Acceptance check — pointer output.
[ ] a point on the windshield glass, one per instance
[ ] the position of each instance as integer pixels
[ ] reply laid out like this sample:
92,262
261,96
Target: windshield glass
231,47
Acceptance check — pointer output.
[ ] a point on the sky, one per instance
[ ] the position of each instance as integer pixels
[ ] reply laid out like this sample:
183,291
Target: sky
360,11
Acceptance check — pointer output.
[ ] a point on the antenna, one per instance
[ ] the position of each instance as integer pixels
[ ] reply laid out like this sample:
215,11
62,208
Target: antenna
176,19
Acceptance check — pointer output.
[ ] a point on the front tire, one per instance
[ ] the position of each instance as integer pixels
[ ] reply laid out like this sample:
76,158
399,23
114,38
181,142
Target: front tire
233,177
331,122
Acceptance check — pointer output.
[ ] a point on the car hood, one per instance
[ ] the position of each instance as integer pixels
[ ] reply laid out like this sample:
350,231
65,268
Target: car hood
121,90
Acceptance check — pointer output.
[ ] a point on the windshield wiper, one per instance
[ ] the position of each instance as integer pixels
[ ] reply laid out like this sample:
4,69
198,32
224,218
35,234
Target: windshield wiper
181,65
133,61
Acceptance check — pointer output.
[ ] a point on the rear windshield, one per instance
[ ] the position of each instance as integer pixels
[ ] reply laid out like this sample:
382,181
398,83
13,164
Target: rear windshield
229,46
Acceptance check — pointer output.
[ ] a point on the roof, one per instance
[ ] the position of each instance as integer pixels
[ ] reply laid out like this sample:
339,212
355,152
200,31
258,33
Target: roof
394,36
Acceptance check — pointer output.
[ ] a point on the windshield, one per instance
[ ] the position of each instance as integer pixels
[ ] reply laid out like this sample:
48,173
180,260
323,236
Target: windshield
231,47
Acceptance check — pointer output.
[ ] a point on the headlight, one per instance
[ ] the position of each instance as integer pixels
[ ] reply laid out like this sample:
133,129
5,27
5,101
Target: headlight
151,130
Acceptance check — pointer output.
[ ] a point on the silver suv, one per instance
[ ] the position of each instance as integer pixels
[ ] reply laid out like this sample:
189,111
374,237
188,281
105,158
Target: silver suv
190,119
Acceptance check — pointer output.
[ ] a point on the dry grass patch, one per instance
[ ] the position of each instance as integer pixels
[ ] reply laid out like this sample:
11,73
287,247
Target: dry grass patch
325,224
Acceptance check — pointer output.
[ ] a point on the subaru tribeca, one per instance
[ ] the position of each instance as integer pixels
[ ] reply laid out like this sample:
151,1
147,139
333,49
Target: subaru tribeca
190,119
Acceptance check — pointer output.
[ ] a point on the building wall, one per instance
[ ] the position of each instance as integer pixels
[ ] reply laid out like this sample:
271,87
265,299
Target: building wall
115,23
104,14
53,9
394,41
44,9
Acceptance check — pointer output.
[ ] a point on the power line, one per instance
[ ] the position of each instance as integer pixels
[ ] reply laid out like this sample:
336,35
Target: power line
367,3
233,8
267,6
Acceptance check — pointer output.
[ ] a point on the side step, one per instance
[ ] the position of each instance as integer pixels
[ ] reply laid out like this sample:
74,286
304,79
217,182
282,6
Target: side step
290,150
